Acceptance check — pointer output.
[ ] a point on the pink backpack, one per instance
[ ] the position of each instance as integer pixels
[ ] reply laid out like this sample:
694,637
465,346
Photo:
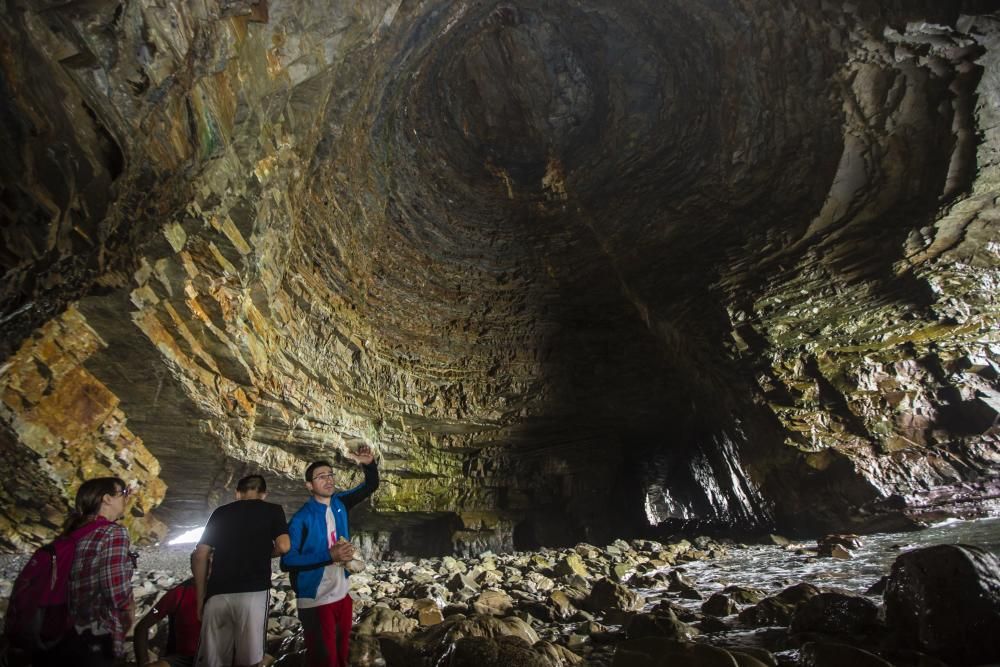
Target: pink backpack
38,613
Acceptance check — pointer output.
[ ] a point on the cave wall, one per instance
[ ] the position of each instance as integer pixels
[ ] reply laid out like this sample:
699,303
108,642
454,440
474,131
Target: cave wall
573,271
62,425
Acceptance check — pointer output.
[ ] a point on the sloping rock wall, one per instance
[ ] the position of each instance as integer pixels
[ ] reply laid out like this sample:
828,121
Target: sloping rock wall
61,426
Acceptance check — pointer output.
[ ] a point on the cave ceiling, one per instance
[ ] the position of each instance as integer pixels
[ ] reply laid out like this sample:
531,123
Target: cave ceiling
574,269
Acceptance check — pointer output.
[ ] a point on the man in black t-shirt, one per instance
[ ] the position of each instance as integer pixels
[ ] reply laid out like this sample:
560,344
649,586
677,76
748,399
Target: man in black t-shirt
241,538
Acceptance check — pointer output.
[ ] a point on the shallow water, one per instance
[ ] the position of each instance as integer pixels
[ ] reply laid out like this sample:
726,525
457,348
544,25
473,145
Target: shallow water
773,568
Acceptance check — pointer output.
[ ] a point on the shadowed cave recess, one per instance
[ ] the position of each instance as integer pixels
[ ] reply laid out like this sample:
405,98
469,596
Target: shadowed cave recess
576,270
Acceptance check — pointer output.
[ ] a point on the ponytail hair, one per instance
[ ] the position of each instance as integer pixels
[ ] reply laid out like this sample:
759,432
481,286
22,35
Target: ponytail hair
89,498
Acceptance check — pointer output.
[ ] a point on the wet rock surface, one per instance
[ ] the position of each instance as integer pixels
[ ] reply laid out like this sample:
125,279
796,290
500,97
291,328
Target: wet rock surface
828,627
837,614
945,601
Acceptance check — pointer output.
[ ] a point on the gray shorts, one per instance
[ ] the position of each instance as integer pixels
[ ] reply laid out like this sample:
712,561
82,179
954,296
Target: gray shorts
233,629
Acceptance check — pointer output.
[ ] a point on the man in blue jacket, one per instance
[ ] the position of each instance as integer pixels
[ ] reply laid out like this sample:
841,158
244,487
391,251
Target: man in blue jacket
319,550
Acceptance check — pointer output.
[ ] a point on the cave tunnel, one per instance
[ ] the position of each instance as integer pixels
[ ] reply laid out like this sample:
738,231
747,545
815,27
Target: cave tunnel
576,271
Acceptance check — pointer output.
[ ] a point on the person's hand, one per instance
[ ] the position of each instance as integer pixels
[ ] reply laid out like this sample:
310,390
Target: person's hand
342,551
364,455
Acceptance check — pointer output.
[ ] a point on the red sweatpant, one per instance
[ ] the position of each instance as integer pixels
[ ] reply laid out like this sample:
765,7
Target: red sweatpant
327,631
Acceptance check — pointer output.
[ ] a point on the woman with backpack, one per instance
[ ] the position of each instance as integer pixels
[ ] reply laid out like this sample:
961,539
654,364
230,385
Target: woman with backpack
101,608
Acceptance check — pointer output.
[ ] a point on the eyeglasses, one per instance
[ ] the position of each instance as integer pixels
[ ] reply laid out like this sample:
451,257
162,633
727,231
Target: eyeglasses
323,476
124,492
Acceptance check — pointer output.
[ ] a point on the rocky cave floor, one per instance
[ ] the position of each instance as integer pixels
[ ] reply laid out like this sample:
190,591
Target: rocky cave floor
643,602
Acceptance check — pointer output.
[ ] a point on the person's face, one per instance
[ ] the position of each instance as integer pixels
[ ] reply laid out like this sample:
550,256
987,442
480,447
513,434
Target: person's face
322,482
117,502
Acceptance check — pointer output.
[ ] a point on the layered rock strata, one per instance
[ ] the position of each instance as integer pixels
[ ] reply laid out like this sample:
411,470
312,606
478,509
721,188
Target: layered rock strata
66,426
574,270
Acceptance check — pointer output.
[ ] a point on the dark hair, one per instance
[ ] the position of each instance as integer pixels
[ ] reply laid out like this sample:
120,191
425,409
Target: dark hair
252,483
312,468
89,498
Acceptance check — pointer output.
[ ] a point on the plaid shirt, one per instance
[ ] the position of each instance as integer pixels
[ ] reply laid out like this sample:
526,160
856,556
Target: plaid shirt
100,588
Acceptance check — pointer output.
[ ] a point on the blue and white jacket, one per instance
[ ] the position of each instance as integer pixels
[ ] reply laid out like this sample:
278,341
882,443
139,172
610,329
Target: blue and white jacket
310,549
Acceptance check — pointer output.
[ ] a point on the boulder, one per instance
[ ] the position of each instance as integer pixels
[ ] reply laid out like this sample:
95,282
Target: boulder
561,604
747,660
847,541
589,628
719,605
691,594
659,652
456,608
493,652
489,578
536,610
452,564
608,595
658,625
541,582
710,624
763,656
493,603
425,589
837,614
616,617
560,656
878,588
570,565
455,627
655,580
680,611
428,612
744,595
915,659
576,587
778,609
945,601
539,561
397,650
462,583
679,581
365,651
830,654
379,620
841,552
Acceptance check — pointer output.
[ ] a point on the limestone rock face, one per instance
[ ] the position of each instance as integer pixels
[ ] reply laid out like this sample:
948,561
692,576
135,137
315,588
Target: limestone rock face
573,269
64,424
